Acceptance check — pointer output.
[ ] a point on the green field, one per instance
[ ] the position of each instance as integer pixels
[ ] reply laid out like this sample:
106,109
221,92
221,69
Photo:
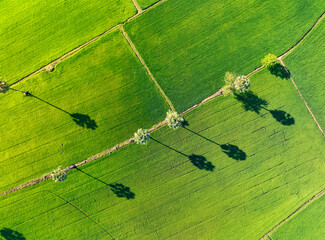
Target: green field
189,45
146,3
306,65
92,101
238,168
307,224
36,32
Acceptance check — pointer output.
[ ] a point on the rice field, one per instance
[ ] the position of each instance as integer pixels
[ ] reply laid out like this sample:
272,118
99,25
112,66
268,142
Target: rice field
233,172
89,103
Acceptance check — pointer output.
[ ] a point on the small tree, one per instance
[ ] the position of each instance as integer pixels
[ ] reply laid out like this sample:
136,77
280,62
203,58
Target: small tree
269,60
235,83
174,120
141,136
4,86
59,175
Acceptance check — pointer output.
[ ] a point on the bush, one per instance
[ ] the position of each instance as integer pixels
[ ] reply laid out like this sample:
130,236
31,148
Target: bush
4,87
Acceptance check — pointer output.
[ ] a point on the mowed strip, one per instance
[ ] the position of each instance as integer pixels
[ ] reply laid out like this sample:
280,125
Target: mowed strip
91,101
238,167
34,32
307,224
306,65
188,44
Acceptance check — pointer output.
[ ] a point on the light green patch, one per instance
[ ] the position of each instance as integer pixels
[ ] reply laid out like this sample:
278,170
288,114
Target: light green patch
92,101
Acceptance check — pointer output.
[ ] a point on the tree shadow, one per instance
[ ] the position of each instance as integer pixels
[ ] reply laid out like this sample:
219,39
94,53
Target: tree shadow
121,191
283,117
197,160
279,71
84,121
117,188
9,234
251,102
233,151
201,162
80,119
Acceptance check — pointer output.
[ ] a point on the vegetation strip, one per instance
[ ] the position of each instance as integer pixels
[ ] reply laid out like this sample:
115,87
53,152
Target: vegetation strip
298,209
51,65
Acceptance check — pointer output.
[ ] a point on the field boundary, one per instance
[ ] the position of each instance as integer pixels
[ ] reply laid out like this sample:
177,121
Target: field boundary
126,36
50,66
302,98
157,126
297,210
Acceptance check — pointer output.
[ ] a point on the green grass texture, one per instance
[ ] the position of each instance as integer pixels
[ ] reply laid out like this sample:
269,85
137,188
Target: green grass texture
306,65
36,32
93,100
236,170
307,224
189,45
146,3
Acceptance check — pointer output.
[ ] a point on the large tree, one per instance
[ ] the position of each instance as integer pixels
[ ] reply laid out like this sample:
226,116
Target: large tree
270,60
235,83
174,120
59,175
141,136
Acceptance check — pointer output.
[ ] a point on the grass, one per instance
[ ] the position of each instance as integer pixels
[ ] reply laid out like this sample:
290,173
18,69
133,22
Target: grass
36,32
307,224
92,101
189,45
146,3
306,65
158,191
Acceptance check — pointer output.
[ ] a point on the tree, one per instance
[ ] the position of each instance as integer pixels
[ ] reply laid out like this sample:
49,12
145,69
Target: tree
235,83
141,136
59,175
4,87
269,60
174,120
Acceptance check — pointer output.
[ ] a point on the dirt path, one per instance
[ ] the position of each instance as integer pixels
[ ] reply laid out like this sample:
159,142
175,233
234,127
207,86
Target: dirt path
146,67
49,67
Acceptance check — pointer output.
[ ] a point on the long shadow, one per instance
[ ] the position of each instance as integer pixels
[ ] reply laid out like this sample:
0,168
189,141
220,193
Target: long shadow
9,234
279,71
80,119
231,150
117,188
251,102
198,161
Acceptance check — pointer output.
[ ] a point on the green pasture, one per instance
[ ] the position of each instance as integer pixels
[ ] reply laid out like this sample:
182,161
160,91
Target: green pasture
146,3
306,65
93,100
239,166
307,224
189,45
36,32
